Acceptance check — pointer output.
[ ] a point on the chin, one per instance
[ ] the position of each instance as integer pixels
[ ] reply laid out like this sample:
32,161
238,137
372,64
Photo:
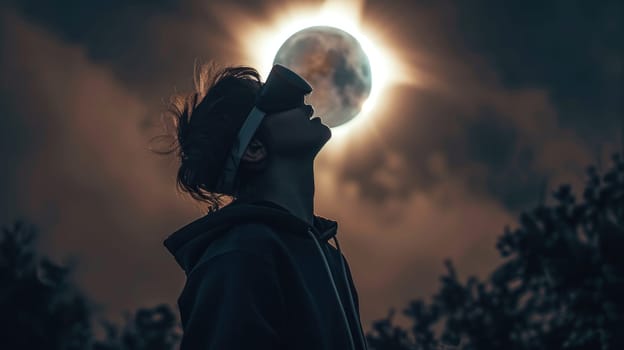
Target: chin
328,134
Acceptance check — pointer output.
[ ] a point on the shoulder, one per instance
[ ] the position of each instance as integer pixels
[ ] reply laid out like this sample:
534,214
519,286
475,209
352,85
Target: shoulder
251,233
254,239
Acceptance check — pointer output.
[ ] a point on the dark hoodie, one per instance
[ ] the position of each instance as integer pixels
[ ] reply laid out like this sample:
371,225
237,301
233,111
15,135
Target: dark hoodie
259,277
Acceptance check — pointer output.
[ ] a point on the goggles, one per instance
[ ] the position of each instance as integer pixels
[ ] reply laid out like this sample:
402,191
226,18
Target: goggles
283,90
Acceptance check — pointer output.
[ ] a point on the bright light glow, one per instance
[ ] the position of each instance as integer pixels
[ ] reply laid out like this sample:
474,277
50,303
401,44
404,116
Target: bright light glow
263,42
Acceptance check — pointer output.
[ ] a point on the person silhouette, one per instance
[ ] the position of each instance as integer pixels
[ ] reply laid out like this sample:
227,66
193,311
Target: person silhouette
260,270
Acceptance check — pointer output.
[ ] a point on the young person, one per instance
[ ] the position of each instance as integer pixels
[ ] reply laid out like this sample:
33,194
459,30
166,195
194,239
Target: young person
260,272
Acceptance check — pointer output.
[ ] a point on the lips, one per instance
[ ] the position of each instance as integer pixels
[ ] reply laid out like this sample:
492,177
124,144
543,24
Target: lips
309,111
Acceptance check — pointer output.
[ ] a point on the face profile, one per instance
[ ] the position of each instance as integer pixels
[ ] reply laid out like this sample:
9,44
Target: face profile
287,136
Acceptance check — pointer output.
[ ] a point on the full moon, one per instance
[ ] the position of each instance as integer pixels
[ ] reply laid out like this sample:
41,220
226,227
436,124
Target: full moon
336,66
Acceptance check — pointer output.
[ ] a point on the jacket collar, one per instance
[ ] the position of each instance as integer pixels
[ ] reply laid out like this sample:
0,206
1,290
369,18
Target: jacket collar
203,231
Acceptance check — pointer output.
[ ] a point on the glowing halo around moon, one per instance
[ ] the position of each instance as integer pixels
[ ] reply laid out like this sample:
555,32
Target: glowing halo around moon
264,41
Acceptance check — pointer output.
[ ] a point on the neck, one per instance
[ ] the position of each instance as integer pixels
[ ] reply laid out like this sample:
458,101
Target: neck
289,183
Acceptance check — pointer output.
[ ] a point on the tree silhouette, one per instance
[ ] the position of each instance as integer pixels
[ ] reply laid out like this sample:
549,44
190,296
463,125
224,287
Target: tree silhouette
42,309
147,329
561,285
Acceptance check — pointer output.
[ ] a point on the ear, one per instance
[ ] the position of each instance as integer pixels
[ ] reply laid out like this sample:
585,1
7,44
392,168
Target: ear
255,152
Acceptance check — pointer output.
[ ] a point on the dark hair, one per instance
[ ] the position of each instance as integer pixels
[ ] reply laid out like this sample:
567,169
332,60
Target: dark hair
207,124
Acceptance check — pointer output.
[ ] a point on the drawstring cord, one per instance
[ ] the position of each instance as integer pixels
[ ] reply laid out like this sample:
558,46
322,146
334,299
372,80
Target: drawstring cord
344,272
333,283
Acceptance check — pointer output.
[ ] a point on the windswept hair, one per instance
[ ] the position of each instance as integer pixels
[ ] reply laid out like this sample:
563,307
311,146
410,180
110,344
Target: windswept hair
206,124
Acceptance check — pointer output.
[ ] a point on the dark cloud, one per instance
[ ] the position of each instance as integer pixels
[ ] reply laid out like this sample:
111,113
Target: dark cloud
15,145
116,33
571,48
491,151
510,175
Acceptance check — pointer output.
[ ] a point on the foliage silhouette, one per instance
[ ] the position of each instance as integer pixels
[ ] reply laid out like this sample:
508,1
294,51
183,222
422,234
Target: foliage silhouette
40,307
147,329
561,285
43,309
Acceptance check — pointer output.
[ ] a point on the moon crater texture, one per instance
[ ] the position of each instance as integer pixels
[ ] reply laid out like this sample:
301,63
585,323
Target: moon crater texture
336,66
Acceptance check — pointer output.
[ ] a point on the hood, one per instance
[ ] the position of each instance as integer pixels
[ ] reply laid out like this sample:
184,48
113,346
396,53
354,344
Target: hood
189,243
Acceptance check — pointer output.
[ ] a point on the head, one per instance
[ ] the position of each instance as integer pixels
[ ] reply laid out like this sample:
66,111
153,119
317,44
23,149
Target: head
208,122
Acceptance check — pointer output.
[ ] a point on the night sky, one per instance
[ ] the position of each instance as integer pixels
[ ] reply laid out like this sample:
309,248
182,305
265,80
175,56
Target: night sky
513,97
